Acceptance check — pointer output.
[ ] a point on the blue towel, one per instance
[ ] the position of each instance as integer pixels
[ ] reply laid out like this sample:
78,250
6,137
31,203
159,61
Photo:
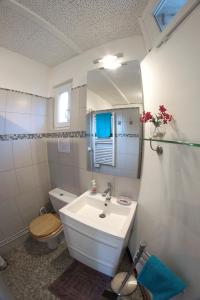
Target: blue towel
160,280
103,125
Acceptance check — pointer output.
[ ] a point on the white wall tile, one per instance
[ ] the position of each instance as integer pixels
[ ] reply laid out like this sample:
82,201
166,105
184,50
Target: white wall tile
18,123
64,176
132,145
8,184
82,119
52,174
38,106
52,149
125,186
26,179
38,123
41,174
83,98
85,180
39,150
74,114
3,96
6,158
22,153
18,103
2,122
80,154
129,163
11,221
50,114
28,206
43,195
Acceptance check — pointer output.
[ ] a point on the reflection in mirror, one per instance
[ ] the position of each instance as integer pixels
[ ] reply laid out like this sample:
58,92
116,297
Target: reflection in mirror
114,104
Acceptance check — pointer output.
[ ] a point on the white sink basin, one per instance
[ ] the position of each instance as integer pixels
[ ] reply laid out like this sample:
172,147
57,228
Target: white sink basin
88,207
95,241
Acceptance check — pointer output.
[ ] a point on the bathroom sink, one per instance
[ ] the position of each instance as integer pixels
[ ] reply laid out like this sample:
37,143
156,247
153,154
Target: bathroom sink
90,209
97,235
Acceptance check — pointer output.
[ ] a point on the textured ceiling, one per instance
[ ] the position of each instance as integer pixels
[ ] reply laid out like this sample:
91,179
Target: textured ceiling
51,31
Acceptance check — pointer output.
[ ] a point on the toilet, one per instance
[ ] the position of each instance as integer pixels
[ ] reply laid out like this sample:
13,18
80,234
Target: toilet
48,227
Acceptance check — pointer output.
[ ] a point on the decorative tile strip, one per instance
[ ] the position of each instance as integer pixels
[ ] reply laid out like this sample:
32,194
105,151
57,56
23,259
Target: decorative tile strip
118,135
79,86
31,136
26,93
65,134
127,135
21,92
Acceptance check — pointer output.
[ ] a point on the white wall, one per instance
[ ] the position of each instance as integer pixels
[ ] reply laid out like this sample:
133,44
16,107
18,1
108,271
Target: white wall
23,74
77,67
169,205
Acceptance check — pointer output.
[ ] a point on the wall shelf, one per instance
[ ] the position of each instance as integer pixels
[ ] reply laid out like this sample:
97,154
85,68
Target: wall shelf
159,149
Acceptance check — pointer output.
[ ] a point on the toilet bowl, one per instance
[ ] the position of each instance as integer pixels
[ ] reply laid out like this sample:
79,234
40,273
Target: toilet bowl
48,227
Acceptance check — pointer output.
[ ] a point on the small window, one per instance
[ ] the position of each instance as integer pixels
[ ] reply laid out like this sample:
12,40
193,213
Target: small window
62,106
166,10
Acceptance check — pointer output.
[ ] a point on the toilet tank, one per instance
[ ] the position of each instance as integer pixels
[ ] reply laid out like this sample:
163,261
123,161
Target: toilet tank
60,198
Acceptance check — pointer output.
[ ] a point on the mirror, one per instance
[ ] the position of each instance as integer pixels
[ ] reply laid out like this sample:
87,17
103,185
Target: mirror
114,104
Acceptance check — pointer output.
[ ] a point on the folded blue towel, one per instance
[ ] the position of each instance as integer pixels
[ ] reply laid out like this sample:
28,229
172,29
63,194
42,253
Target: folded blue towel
103,125
160,280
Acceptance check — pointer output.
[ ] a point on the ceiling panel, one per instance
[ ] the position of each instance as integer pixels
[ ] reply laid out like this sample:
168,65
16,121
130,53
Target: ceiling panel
84,23
46,48
15,28
68,15
21,34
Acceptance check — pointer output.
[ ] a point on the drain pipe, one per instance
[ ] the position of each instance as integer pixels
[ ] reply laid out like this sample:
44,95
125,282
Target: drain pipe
13,237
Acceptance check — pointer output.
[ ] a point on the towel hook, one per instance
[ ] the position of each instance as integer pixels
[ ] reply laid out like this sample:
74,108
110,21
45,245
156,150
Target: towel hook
158,149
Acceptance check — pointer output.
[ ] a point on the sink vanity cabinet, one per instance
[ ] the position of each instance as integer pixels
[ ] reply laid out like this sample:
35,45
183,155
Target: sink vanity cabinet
97,242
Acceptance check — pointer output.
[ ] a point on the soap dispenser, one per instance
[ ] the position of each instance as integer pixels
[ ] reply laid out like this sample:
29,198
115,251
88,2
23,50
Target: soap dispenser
93,187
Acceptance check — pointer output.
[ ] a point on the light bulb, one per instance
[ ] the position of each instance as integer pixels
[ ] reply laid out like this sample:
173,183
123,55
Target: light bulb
110,62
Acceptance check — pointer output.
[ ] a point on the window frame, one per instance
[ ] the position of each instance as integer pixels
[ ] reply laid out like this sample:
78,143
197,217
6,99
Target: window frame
66,87
157,8
153,37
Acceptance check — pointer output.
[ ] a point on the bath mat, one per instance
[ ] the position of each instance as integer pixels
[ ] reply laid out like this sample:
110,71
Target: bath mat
80,282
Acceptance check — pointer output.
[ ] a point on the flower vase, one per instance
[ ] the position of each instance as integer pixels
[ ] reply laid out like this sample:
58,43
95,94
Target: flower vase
157,131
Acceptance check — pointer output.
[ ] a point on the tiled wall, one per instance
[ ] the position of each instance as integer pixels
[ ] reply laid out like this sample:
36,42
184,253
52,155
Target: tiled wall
22,113
69,170
25,163
24,174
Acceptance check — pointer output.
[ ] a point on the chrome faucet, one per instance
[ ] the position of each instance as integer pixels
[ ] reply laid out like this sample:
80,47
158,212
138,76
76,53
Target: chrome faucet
107,192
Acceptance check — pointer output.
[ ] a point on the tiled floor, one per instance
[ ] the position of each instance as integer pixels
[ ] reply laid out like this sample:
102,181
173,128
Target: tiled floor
32,268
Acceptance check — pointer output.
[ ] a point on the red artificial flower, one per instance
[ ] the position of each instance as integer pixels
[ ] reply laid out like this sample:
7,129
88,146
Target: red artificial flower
145,117
170,118
148,116
162,117
162,109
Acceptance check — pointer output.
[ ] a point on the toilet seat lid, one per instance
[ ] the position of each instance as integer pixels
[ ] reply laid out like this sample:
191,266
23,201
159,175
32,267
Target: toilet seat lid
45,225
